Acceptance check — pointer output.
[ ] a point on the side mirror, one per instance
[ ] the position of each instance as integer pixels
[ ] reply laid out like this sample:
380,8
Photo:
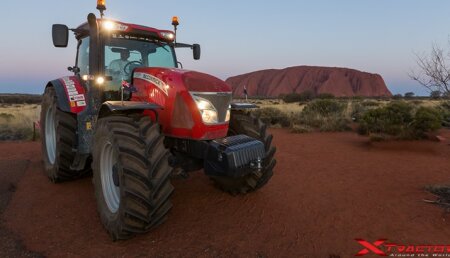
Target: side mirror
197,51
60,35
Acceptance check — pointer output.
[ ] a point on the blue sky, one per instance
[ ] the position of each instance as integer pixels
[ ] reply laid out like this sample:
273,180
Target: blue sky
378,36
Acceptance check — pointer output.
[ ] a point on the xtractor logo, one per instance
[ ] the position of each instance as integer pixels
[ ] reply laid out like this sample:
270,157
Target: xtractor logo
371,247
382,248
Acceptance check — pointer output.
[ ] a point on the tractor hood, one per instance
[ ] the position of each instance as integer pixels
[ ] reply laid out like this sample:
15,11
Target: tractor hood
179,80
194,105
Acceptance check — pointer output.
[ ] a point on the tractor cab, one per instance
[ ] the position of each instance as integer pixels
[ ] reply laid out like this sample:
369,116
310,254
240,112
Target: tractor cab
119,48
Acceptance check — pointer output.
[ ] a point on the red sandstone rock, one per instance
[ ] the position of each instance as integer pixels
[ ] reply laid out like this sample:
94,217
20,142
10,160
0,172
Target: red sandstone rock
337,81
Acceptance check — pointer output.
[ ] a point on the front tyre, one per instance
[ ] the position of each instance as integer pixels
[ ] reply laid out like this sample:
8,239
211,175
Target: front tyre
131,175
59,138
242,122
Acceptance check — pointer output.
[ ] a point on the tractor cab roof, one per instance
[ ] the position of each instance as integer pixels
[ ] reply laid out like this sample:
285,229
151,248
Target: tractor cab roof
128,29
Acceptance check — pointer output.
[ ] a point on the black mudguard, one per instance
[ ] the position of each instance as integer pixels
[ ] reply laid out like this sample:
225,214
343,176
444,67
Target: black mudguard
61,96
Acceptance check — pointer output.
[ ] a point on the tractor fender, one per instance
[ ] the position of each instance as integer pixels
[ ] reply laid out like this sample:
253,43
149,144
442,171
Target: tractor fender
117,107
70,94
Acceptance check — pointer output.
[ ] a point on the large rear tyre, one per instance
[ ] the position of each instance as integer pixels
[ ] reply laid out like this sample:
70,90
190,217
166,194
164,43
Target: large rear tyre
244,123
131,175
58,136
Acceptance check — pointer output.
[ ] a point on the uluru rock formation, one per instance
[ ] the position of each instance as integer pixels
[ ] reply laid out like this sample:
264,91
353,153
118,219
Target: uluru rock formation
338,81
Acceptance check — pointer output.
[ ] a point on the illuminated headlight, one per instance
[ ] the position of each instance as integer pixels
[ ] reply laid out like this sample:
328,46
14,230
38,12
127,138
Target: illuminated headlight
207,110
100,80
209,116
227,117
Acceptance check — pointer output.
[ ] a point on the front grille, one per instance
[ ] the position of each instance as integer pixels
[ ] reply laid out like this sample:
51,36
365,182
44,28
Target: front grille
220,100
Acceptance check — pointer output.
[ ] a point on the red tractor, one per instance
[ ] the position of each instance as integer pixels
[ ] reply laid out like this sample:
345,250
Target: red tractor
135,119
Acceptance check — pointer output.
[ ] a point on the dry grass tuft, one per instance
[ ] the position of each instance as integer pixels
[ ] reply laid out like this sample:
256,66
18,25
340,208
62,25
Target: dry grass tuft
16,121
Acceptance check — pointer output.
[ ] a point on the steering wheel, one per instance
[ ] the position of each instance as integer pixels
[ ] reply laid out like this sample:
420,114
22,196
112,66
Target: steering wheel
128,67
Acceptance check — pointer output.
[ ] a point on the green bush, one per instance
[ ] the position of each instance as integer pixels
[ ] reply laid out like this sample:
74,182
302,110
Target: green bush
409,95
427,119
325,96
359,108
445,110
397,96
400,120
297,97
325,115
273,116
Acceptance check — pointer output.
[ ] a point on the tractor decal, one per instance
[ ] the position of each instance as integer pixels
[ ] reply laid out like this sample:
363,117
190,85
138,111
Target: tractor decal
75,93
153,80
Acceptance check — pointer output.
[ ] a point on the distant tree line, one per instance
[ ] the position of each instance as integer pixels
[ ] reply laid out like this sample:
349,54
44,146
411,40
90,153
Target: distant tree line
20,99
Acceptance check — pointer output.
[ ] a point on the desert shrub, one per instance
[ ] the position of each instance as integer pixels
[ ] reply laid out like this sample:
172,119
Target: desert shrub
446,95
297,97
7,117
16,121
325,115
427,119
13,134
360,108
442,194
400,120
291,98
370,103
273,117
20,99
417,102
409,95
397,96
356,98
325,96
435,94
445,111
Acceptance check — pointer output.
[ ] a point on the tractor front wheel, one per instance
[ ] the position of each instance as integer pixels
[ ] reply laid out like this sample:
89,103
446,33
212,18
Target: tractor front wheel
59,138
242,122
131,174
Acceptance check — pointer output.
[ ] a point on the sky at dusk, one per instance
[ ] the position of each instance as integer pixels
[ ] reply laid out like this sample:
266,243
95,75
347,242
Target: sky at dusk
377,36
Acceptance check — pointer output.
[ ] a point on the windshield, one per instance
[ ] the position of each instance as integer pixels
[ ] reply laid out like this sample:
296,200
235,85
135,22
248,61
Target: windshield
124,53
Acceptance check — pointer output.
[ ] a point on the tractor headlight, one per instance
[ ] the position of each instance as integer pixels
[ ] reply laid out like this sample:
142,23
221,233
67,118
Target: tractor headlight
227,117
207,110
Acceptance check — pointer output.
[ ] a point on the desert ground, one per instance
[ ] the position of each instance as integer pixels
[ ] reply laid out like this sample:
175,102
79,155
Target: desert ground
327,190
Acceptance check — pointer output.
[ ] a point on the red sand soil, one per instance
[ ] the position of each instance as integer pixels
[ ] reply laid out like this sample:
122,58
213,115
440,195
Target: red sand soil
328,189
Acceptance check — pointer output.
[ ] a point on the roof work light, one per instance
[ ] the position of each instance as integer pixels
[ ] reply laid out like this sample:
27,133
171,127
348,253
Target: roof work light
101,6
175,21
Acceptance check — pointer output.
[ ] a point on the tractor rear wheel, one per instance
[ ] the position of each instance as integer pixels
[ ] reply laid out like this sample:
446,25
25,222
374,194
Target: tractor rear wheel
131,174
242,122
59,138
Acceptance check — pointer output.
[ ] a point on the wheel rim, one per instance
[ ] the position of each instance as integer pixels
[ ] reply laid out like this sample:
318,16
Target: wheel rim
111,190
50,135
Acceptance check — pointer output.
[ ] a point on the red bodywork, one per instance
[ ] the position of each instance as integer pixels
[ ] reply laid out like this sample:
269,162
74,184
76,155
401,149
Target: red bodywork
75,93
180,117
171,89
